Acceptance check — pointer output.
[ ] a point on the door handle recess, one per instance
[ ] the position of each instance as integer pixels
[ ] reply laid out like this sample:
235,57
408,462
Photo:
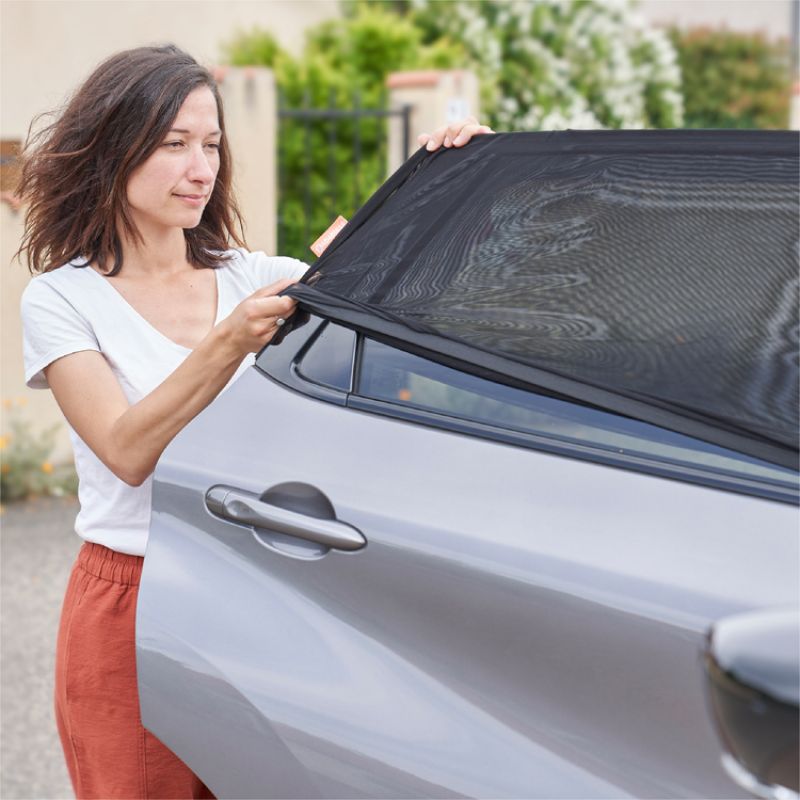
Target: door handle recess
244,508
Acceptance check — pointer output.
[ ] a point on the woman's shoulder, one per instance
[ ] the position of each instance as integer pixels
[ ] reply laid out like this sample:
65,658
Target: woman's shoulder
262,269
58,282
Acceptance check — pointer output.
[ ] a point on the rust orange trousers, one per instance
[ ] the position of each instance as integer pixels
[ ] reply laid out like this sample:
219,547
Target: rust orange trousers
109,754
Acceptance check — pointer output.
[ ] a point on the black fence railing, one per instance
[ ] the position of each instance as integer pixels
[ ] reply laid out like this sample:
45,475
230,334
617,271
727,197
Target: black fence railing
329,161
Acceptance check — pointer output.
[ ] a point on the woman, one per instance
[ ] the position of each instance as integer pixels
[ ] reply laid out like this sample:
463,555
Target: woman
141,316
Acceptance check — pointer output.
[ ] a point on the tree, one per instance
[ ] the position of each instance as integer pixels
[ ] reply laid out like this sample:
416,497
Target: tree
734,80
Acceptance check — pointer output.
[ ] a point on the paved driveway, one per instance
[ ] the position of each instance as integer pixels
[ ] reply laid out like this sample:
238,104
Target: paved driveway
37,548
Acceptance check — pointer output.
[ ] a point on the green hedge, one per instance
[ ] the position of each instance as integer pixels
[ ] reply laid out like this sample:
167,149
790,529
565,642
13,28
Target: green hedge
345,61
733,80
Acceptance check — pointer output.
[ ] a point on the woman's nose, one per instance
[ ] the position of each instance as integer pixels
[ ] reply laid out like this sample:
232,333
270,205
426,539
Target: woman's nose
201,168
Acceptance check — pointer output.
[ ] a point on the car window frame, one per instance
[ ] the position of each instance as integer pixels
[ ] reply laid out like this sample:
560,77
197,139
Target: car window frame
282,365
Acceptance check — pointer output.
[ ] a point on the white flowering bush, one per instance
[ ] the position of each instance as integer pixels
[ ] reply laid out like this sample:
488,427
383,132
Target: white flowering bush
554,64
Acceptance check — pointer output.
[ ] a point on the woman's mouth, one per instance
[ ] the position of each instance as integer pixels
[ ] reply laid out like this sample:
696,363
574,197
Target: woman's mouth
194,200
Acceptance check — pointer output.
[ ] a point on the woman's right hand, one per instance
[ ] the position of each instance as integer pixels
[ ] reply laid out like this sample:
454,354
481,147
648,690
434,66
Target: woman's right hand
254,322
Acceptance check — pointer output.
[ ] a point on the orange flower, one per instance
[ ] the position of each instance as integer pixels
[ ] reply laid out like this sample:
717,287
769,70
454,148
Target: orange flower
4,442
7,403
5,469
22,401
47,467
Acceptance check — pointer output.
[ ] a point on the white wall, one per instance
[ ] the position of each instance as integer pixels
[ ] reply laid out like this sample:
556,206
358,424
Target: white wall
40,406
772,17
48,46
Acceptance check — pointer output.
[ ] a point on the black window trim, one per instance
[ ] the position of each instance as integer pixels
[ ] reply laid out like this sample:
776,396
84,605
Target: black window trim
281,365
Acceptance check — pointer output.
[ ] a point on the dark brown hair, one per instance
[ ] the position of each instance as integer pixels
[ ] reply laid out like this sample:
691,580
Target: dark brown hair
76,170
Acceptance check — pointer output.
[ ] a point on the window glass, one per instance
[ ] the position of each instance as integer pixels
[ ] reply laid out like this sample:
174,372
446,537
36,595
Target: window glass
329,359
401,378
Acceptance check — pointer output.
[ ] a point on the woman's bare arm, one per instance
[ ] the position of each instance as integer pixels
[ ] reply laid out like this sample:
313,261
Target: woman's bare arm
129,439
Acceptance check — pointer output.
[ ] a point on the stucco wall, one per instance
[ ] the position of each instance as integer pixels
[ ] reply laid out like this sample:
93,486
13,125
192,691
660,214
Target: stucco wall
48,46
37,406
770,17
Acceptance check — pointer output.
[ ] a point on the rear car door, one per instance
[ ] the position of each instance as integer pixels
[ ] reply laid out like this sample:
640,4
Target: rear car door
370,576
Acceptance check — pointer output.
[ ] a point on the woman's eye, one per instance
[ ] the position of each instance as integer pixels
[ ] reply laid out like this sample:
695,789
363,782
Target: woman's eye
173,145
213,145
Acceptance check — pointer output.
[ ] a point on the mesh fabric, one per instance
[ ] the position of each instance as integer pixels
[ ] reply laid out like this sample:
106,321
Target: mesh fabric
652,273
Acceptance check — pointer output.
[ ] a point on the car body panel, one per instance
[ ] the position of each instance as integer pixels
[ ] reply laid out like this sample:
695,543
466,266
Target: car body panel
519,623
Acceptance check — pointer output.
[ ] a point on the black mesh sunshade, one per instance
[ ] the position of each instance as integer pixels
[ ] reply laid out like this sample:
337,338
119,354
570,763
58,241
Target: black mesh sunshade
649,273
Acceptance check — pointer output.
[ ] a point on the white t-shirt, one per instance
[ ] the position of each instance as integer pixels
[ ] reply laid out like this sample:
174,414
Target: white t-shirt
75,308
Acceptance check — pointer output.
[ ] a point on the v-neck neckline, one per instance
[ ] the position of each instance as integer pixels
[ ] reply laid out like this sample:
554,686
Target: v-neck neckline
146,322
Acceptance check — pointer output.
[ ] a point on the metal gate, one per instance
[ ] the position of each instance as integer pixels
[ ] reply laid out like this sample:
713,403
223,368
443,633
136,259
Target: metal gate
330,160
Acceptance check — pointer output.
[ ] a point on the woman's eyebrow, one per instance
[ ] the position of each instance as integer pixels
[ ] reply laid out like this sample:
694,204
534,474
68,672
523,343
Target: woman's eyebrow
184,130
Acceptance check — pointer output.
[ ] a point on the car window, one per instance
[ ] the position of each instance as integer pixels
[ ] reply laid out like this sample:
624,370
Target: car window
328,360
388,374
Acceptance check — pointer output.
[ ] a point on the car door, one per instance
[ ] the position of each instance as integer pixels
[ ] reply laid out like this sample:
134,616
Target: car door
362,581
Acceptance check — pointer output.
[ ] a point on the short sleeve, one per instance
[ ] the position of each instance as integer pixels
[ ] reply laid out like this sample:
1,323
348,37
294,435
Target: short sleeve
265,269
51,328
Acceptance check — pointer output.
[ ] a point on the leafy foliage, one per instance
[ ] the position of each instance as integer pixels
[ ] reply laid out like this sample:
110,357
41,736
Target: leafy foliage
733,80
547,64
552,64
344,66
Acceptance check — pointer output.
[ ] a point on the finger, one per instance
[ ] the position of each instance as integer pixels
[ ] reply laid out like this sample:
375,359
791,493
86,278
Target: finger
279,320
456,127
468,131
275,306
275,288
437,139
448,135
423,138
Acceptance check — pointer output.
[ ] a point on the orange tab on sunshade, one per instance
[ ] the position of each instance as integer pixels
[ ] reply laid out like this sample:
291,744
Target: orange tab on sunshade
319,247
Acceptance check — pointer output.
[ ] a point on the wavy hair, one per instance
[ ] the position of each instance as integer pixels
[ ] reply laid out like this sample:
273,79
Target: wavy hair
75,171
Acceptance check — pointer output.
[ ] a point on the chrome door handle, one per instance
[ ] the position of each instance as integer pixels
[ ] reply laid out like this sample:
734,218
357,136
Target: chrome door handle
244,508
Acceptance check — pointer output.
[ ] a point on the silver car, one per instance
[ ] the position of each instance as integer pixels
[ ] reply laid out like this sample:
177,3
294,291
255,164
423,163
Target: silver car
370,574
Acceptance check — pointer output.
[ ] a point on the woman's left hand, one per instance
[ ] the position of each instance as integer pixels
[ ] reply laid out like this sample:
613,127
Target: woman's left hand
457,134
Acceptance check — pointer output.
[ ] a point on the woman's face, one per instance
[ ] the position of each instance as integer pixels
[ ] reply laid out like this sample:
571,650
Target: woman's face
171,187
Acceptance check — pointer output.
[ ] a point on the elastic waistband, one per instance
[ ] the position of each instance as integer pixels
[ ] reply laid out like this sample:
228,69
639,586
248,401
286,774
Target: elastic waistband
100,561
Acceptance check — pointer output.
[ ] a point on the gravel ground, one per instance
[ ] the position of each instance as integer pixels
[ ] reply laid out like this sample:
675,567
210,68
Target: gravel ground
37,548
